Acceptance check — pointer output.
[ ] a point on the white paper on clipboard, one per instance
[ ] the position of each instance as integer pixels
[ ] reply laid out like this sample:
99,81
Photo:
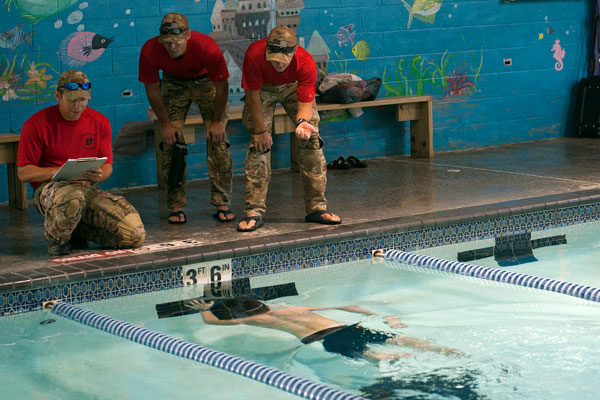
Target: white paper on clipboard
72,169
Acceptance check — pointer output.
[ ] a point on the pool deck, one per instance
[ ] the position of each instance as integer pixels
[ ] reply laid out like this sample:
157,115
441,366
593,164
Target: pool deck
390,195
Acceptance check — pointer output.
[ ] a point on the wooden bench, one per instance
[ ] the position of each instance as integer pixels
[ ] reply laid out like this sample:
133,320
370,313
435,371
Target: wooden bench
416,109
17,190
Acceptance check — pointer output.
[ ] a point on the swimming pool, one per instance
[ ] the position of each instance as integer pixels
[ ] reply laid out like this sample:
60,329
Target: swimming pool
513,342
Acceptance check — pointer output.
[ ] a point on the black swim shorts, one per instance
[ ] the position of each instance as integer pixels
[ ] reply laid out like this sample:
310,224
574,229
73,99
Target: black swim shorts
352,340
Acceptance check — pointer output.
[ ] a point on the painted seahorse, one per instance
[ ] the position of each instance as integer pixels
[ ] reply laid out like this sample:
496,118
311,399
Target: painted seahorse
559,55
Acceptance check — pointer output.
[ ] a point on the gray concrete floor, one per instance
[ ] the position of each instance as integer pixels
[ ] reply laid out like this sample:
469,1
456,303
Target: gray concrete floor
388,188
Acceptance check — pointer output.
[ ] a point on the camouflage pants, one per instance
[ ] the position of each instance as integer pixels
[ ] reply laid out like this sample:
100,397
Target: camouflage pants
311,159
84,210
178,95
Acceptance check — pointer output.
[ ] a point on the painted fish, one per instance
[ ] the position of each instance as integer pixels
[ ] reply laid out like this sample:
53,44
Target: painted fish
33,11
425,10
361,50
80,48
14,37
345,35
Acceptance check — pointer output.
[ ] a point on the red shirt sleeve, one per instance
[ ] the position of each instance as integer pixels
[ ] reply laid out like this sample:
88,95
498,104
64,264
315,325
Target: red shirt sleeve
148,66
30,144
252,69
307,76
214,60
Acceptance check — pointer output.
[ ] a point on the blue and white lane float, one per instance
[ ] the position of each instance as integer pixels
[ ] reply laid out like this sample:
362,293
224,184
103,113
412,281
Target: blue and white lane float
495,274
191,351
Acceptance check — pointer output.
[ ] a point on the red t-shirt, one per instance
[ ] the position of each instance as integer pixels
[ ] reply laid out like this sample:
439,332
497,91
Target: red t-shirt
202,56
49,140
257,71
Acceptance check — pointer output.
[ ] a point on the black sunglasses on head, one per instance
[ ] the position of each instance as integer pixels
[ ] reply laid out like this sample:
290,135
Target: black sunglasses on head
279,49
76,85
172,31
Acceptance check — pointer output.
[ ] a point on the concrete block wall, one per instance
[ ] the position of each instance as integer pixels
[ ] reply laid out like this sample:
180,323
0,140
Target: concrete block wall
499,72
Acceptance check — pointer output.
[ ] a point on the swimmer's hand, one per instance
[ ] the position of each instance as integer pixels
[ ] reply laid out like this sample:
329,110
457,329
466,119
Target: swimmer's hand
199,305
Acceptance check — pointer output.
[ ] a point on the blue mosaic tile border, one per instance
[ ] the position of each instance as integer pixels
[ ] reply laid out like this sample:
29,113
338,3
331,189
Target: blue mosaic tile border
303,258
99,289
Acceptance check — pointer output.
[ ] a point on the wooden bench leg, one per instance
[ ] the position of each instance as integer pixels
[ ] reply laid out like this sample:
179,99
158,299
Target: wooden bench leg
17,190
421,132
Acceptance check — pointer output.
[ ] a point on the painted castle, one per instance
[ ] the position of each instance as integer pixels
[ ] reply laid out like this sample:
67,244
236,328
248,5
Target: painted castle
238,23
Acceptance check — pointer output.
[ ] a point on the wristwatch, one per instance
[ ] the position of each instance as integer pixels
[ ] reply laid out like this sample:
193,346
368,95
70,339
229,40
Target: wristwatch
301,120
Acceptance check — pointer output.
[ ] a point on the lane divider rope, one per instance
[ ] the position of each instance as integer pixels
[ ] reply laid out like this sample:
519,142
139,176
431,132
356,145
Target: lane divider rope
191,351
495,274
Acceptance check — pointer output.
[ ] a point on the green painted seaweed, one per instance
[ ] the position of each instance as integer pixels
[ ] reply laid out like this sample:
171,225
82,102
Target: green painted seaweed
422,76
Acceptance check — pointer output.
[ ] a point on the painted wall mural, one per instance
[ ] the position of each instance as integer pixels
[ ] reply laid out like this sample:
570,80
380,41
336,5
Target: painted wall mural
80,48
451,75
424,10
559,55
13,38
33,11
26,80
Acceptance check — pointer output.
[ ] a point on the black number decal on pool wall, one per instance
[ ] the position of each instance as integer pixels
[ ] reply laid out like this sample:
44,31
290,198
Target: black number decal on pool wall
192,275
215,280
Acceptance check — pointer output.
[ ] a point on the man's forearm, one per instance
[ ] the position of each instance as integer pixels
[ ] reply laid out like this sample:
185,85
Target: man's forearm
221,95
156,102
304,111
33,173
255,104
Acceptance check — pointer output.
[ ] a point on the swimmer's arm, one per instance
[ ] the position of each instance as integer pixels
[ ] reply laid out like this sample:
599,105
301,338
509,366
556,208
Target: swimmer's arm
392,320
209,318
356,309
353,309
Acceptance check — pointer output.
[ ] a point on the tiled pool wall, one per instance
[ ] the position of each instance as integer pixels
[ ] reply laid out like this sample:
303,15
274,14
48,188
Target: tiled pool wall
302,258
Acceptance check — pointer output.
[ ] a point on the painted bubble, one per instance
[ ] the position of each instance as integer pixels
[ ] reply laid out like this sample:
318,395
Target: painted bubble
58,24
83,5
75,17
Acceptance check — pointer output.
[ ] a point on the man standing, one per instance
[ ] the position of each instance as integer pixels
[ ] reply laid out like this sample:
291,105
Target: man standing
276,70
194,69
74,209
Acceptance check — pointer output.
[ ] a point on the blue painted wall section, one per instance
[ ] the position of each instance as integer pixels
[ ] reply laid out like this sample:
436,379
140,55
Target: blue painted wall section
499,72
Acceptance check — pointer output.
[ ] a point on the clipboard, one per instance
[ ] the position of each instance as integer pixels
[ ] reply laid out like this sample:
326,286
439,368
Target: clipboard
72,169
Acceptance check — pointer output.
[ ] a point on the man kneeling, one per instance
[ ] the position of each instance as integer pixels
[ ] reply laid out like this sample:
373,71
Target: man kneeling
76,209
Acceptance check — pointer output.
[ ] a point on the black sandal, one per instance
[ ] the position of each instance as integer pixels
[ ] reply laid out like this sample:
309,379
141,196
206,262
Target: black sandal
227,214
355,162
339,163
258,222
177,214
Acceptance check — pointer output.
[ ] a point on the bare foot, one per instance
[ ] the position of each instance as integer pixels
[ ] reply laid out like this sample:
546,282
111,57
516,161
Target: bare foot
384,356
177,216
393,321
250,223
330,217
224,214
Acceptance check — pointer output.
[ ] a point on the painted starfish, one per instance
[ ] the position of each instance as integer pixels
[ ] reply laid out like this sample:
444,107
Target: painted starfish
37,77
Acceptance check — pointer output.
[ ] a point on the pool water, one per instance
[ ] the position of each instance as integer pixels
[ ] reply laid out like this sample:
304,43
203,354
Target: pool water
511,342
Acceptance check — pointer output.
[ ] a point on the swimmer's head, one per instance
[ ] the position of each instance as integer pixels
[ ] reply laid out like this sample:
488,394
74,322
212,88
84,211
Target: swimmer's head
240,307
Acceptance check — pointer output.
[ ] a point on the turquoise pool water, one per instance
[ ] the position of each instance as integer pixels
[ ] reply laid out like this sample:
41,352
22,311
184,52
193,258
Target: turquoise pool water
513,343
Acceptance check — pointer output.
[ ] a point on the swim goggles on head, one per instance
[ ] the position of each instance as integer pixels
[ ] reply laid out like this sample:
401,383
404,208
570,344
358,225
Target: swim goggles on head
172,31
279,49
75,85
